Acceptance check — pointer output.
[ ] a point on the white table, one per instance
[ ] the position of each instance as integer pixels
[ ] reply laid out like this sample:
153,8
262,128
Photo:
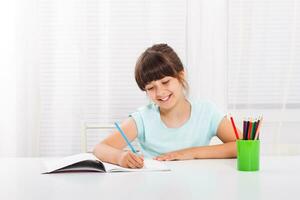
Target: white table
279,178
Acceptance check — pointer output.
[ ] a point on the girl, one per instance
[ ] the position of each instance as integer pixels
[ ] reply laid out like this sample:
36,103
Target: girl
172,127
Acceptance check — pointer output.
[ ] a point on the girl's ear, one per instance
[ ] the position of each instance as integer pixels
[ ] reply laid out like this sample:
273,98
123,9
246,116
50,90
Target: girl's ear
185,85
182,74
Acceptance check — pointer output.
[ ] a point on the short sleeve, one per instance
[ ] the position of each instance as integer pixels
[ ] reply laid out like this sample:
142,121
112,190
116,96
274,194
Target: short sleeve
216,118
139,123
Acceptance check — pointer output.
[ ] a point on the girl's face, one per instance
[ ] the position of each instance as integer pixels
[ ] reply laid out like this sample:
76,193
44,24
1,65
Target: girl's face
165,92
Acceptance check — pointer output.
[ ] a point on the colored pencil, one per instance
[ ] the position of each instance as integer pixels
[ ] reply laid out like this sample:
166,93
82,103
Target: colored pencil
249,129
125,138
244,129
258,129
253,129
234,128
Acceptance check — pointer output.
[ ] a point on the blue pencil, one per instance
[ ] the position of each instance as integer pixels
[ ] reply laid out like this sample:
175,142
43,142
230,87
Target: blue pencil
125,138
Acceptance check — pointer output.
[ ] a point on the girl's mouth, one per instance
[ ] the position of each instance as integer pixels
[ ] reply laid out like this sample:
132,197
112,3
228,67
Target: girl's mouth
165,98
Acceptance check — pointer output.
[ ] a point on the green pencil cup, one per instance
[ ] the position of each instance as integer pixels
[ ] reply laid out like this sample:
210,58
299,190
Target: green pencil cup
248,155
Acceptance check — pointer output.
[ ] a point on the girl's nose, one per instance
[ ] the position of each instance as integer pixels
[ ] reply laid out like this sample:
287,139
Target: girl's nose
159,92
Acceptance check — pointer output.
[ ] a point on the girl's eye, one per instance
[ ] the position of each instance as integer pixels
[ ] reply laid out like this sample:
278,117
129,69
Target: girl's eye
150,88
165,82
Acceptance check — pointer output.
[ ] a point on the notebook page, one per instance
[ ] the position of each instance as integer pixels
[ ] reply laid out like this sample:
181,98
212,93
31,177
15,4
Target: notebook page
149,165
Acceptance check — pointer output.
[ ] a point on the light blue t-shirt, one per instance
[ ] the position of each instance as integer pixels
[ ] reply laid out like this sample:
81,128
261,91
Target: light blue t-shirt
155,138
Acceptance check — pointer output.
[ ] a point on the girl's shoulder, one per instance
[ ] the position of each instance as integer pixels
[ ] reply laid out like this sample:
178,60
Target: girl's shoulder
147,109
144,113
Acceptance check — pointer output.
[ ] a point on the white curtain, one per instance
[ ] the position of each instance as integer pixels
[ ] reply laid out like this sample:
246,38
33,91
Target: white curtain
19,118
206,49
8,81
65,62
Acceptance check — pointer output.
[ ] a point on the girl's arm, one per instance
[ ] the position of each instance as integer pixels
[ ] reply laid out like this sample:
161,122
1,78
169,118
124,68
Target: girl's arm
225,133
111,149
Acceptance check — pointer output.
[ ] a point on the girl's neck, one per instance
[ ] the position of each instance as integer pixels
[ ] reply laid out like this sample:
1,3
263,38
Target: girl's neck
177,115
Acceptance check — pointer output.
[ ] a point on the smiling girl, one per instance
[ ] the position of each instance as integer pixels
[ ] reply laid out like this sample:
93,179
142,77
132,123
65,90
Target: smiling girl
172,127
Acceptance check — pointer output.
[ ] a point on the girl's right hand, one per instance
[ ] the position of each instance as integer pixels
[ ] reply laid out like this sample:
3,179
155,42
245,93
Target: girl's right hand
130,160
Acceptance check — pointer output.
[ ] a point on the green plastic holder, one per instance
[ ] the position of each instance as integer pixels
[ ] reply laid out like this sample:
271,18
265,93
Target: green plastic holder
248,155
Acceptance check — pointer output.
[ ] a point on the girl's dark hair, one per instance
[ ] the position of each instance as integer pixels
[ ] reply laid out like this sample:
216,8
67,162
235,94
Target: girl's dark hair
155,63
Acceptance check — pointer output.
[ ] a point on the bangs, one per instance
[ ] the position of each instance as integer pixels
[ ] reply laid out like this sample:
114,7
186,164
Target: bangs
154,67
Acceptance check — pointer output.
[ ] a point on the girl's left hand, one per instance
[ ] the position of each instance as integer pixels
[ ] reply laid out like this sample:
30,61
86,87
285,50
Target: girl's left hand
174,155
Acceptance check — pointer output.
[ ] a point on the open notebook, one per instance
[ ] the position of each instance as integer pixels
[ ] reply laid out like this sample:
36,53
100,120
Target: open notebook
86,162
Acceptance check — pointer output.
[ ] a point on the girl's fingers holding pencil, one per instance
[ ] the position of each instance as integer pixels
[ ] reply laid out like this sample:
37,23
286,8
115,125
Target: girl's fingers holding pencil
131,160
124,160
136,160
134,163
130,164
